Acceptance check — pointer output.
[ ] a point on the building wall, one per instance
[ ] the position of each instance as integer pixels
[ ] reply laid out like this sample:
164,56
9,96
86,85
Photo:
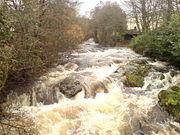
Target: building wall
131,23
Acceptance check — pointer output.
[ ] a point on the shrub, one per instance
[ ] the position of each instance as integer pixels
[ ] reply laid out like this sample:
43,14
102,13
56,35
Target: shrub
5,64
75,32
139,44
162,43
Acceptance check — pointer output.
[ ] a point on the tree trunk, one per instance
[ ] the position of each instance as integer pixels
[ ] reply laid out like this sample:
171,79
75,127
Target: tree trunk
169,9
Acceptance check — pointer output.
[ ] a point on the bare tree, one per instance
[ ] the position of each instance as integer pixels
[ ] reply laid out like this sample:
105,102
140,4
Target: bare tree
150,14
109,21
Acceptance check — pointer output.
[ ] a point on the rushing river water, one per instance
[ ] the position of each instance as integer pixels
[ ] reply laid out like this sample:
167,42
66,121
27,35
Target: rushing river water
113,109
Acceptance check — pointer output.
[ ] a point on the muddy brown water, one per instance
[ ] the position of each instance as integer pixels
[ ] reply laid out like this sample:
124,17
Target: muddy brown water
121,111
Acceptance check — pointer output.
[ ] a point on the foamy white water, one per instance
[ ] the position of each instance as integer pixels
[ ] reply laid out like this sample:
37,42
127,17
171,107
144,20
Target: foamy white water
121,111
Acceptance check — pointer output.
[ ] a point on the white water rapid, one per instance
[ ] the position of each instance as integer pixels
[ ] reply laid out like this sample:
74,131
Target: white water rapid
114,109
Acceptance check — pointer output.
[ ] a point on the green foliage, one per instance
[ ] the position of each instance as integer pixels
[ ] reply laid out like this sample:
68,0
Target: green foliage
170,101
162,43
5,50
25,28
116,37
5,64
5,24
139,43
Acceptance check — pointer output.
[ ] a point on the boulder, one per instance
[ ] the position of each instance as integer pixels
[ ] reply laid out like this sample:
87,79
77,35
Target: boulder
169,100
70,87
135,73
133,80
162,69
67,87
46,97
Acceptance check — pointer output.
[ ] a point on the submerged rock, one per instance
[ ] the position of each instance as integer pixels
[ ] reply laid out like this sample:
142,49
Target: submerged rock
169,100
157,114
48,94
173,73
46,97
162,77
70,87
93,87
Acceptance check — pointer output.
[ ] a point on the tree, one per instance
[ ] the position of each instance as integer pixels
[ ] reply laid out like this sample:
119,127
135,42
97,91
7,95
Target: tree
146,13
36,31
85,24
150,14
108,22
57,18
32,33
5,48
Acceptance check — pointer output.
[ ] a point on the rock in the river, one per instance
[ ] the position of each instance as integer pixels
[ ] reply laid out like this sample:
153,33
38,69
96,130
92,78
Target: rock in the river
157,114
70,87
162,77
162,69
71,66
133,80
173,73
46,97
170,101
135,73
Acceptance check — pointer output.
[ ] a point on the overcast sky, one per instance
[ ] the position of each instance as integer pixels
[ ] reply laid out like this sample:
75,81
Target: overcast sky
88,5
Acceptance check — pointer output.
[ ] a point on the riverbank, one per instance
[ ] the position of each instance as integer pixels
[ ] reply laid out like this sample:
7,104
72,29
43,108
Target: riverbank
161,43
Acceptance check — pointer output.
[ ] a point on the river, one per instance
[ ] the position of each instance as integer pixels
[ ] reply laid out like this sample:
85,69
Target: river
105,106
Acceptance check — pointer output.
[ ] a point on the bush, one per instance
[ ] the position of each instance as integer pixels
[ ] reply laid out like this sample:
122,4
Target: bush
140,44
162,43
5,49
5,64
77,35
34,35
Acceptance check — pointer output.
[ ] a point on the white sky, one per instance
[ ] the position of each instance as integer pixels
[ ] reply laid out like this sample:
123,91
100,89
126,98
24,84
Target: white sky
88,5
